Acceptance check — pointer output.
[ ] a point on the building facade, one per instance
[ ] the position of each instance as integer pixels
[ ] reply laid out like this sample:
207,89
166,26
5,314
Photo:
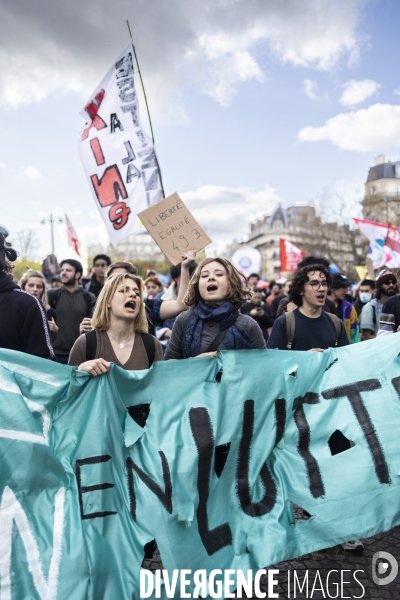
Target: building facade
301,226
382,192
139,246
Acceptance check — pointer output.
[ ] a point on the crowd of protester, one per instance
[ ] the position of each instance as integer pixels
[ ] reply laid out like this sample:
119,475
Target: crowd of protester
204,303
113,316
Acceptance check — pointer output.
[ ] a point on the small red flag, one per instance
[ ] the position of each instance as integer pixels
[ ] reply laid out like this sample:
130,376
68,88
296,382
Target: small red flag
72,236
291,255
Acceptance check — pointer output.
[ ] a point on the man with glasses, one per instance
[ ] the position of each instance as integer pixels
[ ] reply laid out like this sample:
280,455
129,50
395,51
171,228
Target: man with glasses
386,287
344,309
390,316
314,329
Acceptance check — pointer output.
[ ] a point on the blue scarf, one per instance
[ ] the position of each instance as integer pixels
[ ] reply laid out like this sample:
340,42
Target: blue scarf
226,314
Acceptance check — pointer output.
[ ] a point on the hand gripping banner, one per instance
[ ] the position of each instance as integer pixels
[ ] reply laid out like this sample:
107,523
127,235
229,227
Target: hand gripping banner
86,482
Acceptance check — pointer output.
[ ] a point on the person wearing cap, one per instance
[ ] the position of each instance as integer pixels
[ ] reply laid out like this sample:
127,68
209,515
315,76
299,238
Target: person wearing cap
390,316
344,309
386,287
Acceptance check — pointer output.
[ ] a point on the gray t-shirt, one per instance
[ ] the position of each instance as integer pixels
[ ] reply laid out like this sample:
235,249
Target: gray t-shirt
370,315
209,333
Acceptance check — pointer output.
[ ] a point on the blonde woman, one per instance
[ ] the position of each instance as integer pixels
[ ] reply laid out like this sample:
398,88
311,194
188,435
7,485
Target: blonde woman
119,330
34,283
215,294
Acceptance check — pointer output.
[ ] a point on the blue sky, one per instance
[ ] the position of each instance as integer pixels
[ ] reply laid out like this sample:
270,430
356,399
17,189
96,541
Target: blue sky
253,103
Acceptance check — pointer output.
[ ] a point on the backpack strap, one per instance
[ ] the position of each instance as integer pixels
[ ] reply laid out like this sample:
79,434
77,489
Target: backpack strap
91,344
374,313
215,344
290,327
54,297
149,346
397,312
338,326
89,302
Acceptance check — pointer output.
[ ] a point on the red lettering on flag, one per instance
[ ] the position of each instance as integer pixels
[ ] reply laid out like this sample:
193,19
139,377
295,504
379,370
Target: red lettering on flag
93,107
97,151
110,187
119,214
97,122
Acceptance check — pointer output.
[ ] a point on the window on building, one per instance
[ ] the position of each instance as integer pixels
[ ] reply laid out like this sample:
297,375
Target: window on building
397,171
373,190
398,190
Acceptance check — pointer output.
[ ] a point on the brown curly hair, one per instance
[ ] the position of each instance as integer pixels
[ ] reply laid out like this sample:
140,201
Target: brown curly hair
238,292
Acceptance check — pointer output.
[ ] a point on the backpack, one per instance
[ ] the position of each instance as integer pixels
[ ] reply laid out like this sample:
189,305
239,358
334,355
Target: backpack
291,324
148,341
54,298
397,312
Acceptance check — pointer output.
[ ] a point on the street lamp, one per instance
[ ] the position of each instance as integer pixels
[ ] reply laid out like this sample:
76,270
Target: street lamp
52,220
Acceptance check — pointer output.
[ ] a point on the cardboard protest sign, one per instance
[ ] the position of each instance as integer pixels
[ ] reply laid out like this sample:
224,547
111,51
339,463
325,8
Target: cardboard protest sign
84,488
174,228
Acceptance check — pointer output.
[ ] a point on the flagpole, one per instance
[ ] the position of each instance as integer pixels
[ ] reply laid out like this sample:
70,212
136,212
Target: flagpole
147,106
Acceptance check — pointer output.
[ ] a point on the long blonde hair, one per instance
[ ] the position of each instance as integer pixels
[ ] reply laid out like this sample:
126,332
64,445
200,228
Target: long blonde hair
238,291
101,319
24,280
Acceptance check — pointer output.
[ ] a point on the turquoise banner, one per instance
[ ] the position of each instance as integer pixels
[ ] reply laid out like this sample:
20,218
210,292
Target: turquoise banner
227,446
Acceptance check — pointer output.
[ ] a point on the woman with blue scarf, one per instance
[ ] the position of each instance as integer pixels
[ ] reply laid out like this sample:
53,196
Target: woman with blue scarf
215,294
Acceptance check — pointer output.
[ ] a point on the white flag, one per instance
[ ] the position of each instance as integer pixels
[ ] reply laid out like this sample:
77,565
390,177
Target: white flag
118,156
376,234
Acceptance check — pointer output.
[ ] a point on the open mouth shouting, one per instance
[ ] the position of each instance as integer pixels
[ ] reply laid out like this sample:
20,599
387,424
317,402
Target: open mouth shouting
212,287
130,305
321,297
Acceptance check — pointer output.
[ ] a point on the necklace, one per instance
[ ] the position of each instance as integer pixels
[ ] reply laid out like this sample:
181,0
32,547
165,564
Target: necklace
121,345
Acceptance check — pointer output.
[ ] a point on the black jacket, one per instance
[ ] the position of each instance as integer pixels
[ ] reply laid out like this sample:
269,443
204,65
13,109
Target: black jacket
264,320
23,321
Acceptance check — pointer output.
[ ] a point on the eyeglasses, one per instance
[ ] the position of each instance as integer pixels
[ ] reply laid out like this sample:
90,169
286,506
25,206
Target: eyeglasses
315,285
391,283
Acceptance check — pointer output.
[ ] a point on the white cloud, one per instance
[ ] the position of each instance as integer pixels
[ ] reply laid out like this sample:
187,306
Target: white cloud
2,166
309,88
215,45
225,213
356,92
35,203
339,201
32,172
376,128
231,63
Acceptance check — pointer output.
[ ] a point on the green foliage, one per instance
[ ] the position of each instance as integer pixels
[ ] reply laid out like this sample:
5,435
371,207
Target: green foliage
22,265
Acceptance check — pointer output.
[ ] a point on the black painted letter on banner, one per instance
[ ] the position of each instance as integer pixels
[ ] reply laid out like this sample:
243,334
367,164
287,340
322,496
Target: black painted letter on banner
92,460
353,393
317,488
164,497
280,419
221,536
267,503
